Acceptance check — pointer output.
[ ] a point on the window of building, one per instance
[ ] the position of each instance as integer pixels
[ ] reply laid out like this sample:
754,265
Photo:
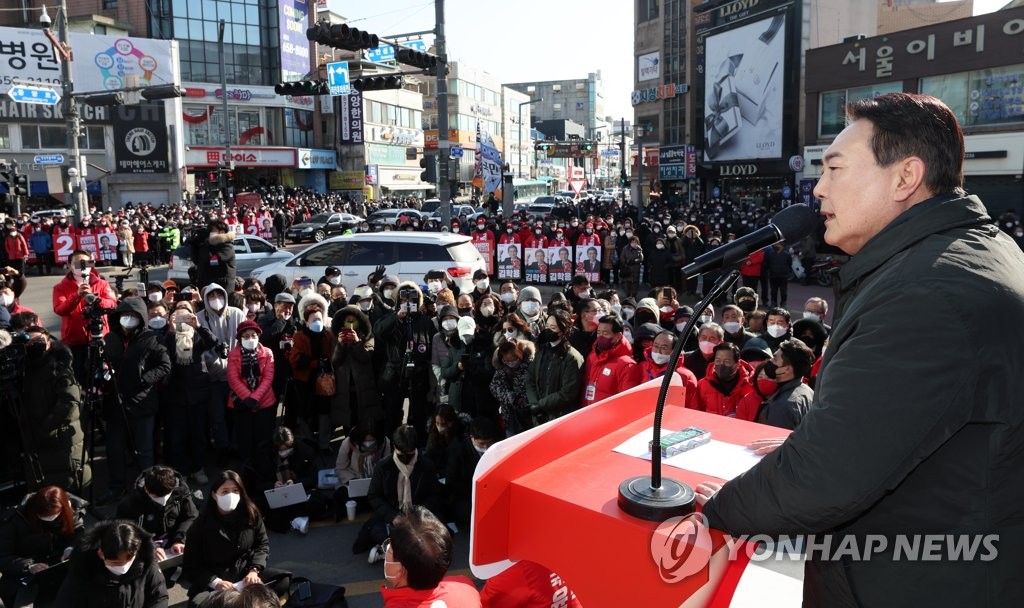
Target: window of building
646,10
580,86
531,89
109,4
982,97
5,137
556,88
251,50
53,137
832,105
556,107
92,139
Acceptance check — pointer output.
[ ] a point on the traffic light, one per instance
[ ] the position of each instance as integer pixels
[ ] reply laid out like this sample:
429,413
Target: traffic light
377,83
162,91
587,147
341,36
302,87
19,186
6,179
416,59
104,99
429,165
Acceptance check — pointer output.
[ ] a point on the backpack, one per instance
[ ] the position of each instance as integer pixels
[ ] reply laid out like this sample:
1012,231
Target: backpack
304,593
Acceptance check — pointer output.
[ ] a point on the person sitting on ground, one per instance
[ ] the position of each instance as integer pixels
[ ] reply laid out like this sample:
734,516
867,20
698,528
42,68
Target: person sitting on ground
463,457
162,506
283,460
416,558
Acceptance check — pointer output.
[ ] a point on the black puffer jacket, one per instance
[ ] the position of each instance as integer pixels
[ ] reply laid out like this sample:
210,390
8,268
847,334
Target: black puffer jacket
214,259
140,361
353,373
171,520
223,546
23,543
90,585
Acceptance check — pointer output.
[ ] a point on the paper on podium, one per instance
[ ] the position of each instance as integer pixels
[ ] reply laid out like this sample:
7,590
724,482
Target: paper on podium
715,458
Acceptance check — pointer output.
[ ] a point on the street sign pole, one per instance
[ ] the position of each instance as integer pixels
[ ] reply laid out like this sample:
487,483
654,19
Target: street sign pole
443,186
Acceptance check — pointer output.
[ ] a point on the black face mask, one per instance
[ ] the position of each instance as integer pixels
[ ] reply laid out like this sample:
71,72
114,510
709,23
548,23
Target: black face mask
725,372
770,368
547,336
35,350
406,458
465,312
747,306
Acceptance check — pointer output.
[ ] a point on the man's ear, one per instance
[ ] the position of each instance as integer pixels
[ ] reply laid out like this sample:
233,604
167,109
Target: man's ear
910,179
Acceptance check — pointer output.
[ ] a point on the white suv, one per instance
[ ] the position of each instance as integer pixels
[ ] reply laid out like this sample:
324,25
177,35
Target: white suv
409,255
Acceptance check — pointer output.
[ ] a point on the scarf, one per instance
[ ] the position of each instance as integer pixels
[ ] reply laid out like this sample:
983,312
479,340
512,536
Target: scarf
404,483
183,344
250,368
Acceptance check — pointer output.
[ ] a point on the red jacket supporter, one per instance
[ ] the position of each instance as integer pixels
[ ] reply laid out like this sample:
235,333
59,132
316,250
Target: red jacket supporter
141,241
451,592
16,247
610,372
527,585
508,239
68,304
712,400
752,265
536,242
264,393
649,370
749,405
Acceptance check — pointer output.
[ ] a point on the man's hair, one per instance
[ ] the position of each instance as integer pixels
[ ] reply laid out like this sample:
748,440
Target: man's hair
799,355
820,302
715,327
612,320
485,429
757,315
908,124
404,438
733,308
160,480
218,225
778,311
120,537
80,252
423,545
580,280
728,346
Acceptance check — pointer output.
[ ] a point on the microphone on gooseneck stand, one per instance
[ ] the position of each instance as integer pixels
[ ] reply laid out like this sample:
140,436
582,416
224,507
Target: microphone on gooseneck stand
656,498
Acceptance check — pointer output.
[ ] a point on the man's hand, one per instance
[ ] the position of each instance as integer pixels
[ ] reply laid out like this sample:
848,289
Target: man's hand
705,491
9,271
84,289
251,579
37,568
278,484
223,585
765,446
177,548
161,555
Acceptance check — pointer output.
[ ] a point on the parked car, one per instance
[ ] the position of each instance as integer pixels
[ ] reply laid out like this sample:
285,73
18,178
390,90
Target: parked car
53,214
251,252
406,254
390,216
540,210
457,210
321,226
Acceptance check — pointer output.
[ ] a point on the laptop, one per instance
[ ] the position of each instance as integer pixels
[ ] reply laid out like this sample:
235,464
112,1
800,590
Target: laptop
358,487
286,496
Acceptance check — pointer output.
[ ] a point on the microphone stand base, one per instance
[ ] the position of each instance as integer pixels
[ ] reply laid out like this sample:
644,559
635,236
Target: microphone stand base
672,499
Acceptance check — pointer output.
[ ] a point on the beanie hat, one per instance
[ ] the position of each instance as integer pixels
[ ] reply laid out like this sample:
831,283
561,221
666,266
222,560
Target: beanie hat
530,293
245,326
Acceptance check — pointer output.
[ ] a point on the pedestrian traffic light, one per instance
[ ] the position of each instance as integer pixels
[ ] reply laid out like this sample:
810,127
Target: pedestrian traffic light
429,165
377,83
302,88
416,59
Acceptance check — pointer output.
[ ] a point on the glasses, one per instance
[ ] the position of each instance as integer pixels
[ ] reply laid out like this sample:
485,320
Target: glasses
386,545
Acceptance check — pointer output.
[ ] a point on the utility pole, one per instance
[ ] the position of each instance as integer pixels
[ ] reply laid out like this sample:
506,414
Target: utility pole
222,174
443,145
622,165
71,116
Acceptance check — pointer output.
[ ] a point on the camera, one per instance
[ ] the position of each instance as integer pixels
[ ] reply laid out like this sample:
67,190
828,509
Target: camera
12,359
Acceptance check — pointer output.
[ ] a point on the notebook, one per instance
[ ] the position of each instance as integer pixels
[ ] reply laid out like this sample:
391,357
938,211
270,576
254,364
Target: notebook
286,496
358,487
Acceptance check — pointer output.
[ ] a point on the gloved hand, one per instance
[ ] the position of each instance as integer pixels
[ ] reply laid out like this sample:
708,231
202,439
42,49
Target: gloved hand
249,404
377,275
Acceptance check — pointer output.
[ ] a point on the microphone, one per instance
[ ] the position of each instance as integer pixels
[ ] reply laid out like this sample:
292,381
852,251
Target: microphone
790,225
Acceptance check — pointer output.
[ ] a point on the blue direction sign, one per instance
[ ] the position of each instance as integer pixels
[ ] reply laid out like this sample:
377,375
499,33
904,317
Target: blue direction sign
48,159
337,78
29,94
455,153
385,53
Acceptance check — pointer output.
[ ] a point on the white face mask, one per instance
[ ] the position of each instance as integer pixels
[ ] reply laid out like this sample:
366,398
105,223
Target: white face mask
449,324
529,308
155,296
807,315
129,321
250,343
479,450
617,309
120,570
508,297
434,287
627,313
335,280
706,319
389,293
732,327
511,334
6,299
659,358
158,323
50,518
305,291
285,453
228,502
706,348
483,284
680,326
160,500
252,307
365,305
216,304
777,331
487,311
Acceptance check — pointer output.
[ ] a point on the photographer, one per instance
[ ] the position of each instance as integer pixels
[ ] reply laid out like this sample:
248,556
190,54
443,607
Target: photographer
81,288
48,412
139,362
213,253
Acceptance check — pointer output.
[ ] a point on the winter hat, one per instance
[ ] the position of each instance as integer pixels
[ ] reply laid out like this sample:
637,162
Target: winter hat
389,279
466,326
448,311
683,311
311,300
530,293
245,326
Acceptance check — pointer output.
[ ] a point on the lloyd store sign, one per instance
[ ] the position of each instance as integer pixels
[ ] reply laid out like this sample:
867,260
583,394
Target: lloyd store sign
737,170
244,156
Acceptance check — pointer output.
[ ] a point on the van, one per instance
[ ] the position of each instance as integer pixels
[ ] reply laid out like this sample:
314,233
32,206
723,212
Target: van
406,254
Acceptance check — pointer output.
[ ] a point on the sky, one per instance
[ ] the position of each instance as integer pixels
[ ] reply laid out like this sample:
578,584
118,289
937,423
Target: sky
530,40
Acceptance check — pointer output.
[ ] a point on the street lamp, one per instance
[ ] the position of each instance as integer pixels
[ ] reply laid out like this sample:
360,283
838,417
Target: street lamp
519,171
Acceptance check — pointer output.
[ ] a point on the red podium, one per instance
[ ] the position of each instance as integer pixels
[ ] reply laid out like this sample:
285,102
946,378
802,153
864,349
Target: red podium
550,496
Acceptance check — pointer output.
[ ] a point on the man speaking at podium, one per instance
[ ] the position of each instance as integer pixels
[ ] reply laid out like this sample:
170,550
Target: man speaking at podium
915,432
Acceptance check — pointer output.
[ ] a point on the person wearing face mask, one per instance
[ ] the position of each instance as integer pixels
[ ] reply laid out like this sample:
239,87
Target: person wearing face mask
161,504
228,544
779,264
357,396
462,460
733,321
509,293
483,241
39,533
488,313
140,362
448,428
531,310
709,336
114,565
676,257
610,366
511,362
789,403
816,309
481,286
655,364
213,254
389,291
358,455
332,277
47,438
41,243
467,370
440,342
727,381
15,248
416,558
310,358
284,460
407,478
403,340
578,290
590,312
70,297
252,401
368,302
223,322
777,330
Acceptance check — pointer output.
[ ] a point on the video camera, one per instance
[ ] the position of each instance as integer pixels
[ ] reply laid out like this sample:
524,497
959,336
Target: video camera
12,359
